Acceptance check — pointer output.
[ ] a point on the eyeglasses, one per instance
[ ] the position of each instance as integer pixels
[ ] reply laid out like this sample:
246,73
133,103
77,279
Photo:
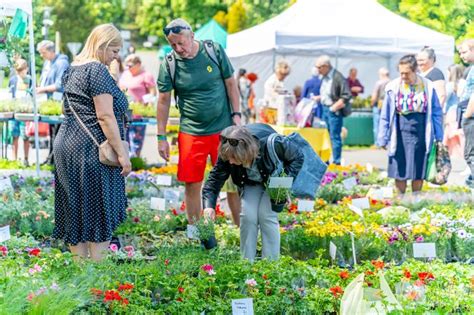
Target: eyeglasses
319,67
232,142
130,65
175,29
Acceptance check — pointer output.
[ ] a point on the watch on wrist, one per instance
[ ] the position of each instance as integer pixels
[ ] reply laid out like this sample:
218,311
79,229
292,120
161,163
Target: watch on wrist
161,137
236,114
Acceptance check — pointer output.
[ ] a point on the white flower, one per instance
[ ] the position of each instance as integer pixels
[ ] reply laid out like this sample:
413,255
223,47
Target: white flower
251,282
462,234
469,236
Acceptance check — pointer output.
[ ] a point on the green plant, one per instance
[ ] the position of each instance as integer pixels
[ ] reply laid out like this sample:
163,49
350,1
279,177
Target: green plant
51,108
205,228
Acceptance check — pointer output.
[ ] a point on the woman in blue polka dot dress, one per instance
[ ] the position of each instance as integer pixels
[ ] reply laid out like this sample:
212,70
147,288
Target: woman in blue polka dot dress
90,198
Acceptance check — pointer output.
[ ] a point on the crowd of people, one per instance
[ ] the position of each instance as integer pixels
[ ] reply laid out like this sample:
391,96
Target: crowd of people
412,112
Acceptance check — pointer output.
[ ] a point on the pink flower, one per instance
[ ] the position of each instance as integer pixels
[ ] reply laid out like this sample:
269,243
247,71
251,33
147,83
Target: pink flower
419,239
130,254
36,268
4,250
251,282
54,286
129,248
113,247
30,296
209,269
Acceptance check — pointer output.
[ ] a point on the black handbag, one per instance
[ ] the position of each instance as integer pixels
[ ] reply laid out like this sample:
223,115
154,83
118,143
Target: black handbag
462,106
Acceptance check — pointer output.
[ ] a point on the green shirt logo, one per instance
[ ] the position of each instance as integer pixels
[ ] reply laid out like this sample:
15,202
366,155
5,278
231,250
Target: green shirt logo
209,69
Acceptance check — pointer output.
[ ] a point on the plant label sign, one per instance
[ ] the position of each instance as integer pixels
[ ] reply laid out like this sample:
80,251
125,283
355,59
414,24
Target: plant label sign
369,168
4,233
242,307
163,180
349,183
158,204
332,250
424,250
305,205
387,192
356,210
5,184
280,182
362,203
376,194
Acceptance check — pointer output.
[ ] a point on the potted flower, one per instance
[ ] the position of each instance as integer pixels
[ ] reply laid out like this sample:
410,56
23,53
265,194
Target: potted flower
278,195
205,228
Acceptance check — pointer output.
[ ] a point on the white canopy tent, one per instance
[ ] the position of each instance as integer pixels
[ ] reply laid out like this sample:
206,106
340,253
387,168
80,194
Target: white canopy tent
361,34
8,8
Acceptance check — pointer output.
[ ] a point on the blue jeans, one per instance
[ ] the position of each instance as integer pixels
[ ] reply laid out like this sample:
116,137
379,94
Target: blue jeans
376,118
334,122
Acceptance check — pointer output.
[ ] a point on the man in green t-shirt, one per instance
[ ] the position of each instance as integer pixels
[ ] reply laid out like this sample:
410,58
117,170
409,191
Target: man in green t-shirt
204,89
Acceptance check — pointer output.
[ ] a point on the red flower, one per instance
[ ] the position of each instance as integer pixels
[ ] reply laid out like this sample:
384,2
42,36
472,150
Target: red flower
129,209
344,274
407,274
378,264
219,212
39,190
175,213
336,291
125,286
112,295
34,252
265,277
179,299
293,208
183,206
369,273
167,262
136,219
125,301
96,292
425,276
373,202
180,289
4,250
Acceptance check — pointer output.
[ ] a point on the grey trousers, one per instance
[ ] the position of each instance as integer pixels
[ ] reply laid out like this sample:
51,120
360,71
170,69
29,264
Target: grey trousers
257,213
468,128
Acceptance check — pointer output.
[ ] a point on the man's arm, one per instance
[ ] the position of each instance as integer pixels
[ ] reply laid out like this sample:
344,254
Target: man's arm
233,92
162,113
470,107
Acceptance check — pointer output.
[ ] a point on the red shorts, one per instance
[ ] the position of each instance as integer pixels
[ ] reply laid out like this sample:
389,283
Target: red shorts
193,153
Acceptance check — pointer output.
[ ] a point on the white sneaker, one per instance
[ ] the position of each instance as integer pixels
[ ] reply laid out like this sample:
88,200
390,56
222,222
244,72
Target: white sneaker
192,232
466,172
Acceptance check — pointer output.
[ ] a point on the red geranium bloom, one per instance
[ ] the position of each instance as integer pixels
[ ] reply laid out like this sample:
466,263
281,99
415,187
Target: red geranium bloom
179,299
96,292
219,212
180,289
183,206
378,264
293,208
373,202
336,291
174,212
125,301
407,274
34,252
369,273
112,295
265,277
167,262
4,250
125,286
425,276
344,274
136,219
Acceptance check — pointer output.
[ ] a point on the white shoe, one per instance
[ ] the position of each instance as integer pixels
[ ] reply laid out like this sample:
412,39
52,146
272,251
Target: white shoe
466,172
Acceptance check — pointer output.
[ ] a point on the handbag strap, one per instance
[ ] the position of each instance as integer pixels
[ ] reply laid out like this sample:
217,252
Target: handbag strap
89,133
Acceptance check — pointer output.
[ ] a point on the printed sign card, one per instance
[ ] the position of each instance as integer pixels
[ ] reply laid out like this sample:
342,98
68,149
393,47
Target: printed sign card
5,184
158,204
280,182
332,250
362,203
357,210
349,183
242,307
424,250
4,233
305,205
163,180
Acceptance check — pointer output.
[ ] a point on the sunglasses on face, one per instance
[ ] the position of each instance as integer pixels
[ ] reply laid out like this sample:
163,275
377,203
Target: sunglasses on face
175,29
232,142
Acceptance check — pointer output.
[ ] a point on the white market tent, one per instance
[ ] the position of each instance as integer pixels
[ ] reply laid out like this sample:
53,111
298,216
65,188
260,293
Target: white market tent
8,8
361,34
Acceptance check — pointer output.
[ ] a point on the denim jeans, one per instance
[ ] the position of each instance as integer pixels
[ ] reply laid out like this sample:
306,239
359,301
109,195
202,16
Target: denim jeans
468,128
334,122
376,118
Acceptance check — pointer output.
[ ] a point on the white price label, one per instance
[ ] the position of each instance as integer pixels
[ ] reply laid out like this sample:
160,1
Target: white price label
362,203
387,192
424,250
332,250
280,182
349,183
375,194
369,167
158,204
242,307
163,180
357,210
4,233
171,195
305,205
5,184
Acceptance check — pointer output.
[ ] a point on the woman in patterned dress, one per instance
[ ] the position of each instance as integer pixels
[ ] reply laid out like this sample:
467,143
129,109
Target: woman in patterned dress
90,198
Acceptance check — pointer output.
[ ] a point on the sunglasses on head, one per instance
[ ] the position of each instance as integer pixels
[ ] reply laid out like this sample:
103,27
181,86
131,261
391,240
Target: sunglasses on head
232,142
175,29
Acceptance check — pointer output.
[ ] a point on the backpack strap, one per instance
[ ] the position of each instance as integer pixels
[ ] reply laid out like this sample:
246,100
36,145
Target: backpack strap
170,59
273,155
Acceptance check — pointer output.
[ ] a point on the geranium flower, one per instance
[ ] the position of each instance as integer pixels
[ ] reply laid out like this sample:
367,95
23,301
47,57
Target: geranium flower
30,296
112,295
175,213
129,248
251,282
113,247
209,269
425,276
34,252
167,262
136,219
407,274
412,295
336,291
96,292
344,274
3,250
180,289
378,264
126,287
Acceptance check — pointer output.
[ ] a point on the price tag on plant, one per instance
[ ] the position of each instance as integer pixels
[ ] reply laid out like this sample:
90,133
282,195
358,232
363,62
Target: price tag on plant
174,159
332,250
349,183
362,203
376,194
5,184
280,182
305,205
356,210
163,180
242,307
369,167
158,204
387,192
424,250
4,233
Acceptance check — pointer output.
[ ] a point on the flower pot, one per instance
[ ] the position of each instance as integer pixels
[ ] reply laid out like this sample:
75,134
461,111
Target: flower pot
210,243
278,207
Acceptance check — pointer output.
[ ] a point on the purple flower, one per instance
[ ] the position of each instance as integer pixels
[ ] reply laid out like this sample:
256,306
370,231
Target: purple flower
419,239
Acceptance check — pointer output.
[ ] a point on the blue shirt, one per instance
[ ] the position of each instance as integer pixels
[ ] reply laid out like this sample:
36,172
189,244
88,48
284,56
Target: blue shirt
312,85
53,72
469,88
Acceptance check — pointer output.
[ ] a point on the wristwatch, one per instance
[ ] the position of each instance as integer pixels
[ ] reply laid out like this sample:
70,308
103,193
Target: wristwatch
236,114
161,137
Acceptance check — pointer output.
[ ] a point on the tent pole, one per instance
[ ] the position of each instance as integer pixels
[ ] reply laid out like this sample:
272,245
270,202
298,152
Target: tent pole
33,83
336,66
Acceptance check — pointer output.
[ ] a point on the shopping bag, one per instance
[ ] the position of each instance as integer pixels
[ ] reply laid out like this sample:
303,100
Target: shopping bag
439,164
430,173
43,129
303,111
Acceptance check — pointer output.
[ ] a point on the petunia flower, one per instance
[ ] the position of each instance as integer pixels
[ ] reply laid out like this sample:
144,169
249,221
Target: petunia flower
209,269
34,252
113,247
251,282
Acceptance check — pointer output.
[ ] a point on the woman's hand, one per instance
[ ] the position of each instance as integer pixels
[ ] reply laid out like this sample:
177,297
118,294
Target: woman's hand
210,213
126,165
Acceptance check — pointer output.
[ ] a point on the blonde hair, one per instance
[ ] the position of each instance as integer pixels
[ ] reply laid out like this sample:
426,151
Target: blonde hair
20,65
101,37
246,150
283,67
